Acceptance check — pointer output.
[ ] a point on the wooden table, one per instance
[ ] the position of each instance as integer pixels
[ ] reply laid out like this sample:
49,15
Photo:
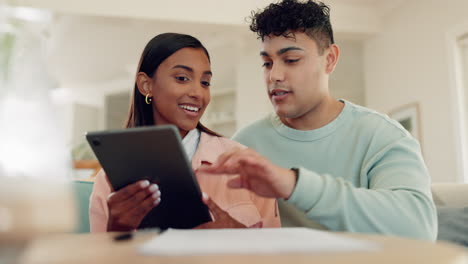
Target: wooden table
101,248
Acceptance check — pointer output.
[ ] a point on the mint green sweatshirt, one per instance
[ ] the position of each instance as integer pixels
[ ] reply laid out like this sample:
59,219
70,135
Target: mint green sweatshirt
363,172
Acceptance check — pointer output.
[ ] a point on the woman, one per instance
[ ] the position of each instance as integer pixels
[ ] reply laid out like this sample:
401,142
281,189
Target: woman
173,87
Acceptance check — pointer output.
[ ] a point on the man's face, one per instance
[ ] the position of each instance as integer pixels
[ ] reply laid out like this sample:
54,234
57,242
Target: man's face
295,74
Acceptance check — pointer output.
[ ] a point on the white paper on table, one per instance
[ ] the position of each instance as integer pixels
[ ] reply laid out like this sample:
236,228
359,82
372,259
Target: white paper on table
177,242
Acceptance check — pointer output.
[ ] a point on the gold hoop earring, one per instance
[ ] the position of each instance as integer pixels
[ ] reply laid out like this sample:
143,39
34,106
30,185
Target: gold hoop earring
148,99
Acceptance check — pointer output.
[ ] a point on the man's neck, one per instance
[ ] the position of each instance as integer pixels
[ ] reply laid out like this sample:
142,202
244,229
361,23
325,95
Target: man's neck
321,115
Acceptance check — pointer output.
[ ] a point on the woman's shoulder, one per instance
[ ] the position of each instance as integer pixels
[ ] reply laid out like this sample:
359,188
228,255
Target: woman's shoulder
230,143
220,142
101,186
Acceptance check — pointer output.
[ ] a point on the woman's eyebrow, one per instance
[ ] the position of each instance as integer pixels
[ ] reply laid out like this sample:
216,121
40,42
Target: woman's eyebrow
190,69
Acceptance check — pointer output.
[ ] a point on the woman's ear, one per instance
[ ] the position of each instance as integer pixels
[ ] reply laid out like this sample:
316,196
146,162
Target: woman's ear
144,83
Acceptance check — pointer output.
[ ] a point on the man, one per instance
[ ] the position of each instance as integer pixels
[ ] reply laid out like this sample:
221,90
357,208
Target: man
353,169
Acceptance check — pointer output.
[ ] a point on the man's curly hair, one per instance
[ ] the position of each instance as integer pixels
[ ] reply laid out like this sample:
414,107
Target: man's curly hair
290,16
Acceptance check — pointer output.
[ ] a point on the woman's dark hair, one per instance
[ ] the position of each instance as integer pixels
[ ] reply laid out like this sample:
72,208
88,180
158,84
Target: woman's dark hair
288,16
156,51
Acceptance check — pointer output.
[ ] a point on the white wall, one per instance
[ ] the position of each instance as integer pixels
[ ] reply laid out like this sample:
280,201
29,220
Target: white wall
85,118
347,81
252,98
463,44
348,16
409,61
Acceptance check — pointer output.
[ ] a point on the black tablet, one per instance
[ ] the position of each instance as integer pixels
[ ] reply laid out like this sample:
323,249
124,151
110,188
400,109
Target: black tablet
154,153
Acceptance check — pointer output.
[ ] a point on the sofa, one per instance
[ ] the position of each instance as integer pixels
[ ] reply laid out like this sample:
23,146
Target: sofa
451,200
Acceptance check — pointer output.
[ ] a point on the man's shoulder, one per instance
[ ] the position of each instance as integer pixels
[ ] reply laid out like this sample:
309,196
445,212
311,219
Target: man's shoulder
254,130
369,119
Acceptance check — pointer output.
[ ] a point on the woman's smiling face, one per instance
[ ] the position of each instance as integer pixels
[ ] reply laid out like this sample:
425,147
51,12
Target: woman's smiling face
181,89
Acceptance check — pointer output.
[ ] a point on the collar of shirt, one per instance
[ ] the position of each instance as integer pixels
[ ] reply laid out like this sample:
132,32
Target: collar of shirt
190,142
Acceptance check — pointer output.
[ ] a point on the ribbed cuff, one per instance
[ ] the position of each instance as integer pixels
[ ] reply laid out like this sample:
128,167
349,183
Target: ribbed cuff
309,188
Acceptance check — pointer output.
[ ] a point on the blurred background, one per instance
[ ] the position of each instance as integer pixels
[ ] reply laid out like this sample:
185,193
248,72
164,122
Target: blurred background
405,58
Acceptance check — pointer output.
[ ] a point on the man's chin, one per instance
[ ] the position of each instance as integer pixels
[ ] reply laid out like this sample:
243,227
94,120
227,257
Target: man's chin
284,113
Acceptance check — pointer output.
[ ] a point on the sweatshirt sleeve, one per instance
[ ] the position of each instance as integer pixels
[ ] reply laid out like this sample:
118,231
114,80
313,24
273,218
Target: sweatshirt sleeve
397,201
98,211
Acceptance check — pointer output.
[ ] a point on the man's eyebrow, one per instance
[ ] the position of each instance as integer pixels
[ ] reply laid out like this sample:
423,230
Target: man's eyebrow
281,51
264,54
284,50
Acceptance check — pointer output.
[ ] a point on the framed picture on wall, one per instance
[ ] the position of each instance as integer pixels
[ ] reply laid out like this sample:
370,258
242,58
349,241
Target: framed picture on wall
409,117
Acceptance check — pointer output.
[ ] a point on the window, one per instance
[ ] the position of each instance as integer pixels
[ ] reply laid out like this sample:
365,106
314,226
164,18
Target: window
462,44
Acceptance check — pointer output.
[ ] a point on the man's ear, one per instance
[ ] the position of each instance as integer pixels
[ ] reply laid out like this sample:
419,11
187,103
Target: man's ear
144,83
333,54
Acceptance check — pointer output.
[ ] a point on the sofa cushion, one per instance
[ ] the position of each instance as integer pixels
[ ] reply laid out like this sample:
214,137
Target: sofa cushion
453,224
83,191
450,194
